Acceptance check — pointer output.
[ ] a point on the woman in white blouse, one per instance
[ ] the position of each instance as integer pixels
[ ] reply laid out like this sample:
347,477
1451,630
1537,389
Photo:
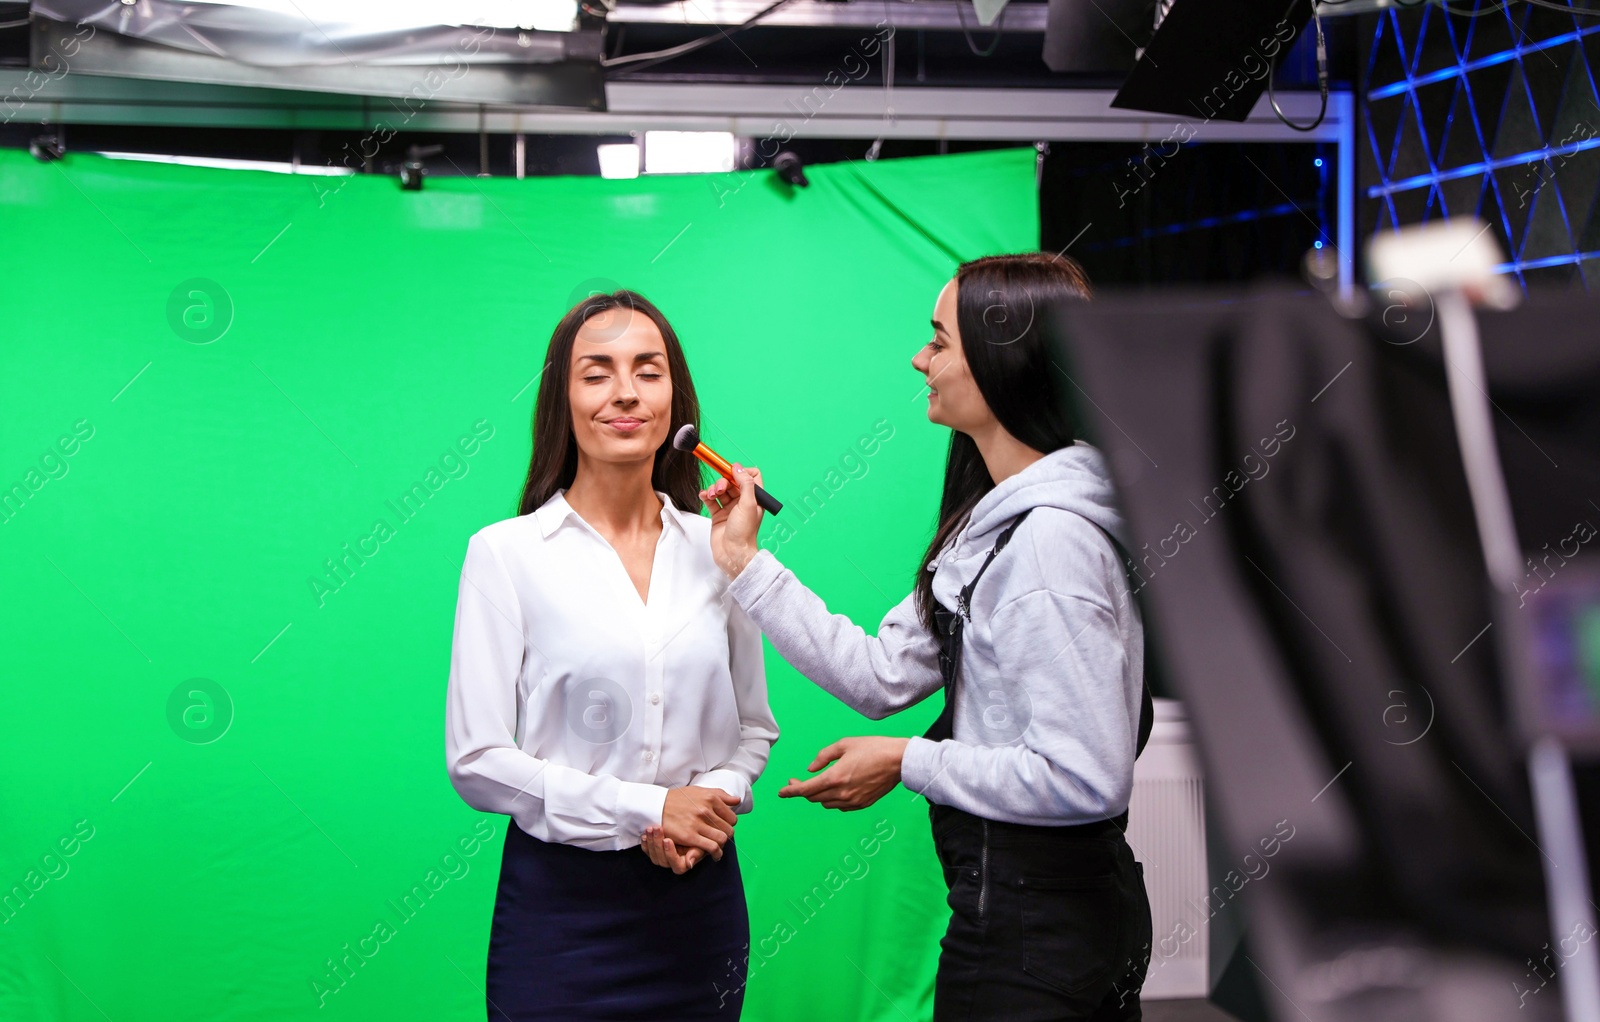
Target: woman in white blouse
604,689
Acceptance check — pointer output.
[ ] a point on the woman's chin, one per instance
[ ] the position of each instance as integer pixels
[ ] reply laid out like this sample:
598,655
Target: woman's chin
628,440
626,449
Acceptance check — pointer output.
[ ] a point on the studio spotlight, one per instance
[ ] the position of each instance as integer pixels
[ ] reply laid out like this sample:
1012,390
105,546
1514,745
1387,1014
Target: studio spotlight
790,169
620,160
46,147
690,152
411,170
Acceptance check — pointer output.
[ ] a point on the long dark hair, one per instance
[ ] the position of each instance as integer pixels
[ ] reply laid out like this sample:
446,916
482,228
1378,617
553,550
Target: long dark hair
1002,306
555,452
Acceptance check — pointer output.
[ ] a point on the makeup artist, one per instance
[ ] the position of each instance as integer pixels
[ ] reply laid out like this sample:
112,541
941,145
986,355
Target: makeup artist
1021,612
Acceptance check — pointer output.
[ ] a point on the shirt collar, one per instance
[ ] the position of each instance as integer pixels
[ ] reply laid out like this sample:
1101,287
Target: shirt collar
555,511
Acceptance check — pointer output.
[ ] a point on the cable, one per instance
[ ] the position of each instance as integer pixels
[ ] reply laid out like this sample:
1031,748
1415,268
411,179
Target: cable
888,98
999,28
1554,5
1478,13
1322,74
1445,6
657,56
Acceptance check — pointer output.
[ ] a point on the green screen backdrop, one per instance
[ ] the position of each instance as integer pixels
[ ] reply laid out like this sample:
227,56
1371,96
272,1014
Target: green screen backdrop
224,790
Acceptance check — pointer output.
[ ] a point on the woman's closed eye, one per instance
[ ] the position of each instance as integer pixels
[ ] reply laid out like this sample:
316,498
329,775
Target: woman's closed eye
598,378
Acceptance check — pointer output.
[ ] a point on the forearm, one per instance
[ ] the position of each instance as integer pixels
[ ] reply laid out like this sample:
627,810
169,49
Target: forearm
557,803
874,675
1018,784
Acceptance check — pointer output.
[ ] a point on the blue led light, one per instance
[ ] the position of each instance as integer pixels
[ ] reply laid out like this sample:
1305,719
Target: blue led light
1491,180
1167,230
1317,162
1316,244
1460,69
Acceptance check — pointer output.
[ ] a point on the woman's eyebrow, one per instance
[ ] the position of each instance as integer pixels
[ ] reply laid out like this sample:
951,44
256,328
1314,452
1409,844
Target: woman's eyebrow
643,356
938,326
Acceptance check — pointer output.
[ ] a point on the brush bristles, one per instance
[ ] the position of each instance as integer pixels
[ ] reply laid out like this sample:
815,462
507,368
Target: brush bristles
687,438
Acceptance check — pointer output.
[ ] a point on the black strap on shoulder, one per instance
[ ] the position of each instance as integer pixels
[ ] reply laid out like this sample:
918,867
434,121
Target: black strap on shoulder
964,600
950,626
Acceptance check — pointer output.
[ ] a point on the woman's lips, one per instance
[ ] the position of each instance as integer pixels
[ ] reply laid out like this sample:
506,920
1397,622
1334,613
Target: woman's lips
625,425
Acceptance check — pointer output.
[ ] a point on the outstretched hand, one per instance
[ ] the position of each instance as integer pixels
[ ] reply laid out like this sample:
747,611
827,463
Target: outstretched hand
735,518
864,770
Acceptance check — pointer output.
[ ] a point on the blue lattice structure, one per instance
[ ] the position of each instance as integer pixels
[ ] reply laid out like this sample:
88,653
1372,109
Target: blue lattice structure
1206,213
1496,116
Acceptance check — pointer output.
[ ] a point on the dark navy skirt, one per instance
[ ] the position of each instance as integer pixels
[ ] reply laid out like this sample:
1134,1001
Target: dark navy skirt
581,934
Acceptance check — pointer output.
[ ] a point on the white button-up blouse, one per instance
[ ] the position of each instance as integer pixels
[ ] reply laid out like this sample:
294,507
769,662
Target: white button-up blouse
572,705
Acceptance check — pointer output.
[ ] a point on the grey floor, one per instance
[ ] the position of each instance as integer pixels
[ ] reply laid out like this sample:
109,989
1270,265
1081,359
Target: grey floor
1184,1011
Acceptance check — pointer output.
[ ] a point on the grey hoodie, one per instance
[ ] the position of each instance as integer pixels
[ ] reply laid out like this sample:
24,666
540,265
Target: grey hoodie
1047,716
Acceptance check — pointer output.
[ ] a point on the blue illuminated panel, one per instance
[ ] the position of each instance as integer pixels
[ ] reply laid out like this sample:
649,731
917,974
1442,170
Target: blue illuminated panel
1496,116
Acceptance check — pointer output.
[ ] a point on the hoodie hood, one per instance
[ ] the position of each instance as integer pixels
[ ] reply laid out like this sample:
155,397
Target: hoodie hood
1073,478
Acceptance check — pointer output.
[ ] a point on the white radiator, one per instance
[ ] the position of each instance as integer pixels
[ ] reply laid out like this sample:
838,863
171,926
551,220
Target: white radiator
1167,830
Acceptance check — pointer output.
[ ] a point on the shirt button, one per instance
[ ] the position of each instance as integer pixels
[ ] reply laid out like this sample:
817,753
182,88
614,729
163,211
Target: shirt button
649,756
655,697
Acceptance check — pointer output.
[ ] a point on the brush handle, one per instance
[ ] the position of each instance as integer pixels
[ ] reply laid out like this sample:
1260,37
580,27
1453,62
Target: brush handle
768,501
720,465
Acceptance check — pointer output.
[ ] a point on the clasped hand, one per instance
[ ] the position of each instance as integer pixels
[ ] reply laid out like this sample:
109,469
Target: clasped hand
695,822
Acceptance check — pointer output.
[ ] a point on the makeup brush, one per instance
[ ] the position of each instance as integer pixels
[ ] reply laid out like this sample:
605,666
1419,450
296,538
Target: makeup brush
687,438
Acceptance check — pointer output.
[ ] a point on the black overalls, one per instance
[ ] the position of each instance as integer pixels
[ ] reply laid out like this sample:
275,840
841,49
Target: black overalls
1046,923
